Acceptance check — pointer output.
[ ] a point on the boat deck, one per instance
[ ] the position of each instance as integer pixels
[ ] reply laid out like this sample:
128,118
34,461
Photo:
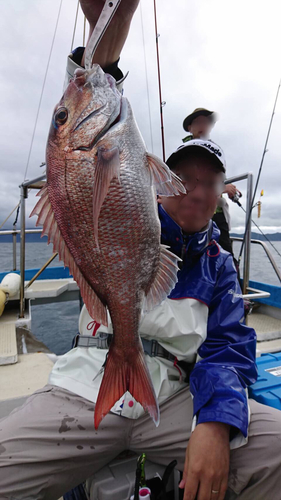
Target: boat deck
268,330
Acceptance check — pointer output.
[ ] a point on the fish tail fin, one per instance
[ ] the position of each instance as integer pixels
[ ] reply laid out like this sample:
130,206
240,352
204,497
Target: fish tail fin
120,376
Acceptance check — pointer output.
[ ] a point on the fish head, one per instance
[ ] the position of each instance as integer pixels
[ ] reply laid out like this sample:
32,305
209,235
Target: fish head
89,106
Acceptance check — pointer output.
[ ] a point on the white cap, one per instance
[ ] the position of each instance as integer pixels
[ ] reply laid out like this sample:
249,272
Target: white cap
182,151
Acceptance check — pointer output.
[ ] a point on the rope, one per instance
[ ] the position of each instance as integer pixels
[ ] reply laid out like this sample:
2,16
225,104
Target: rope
17,215
146,78
43,87
74,29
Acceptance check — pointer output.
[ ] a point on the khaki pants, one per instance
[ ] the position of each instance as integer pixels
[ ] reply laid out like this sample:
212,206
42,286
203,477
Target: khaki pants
49,445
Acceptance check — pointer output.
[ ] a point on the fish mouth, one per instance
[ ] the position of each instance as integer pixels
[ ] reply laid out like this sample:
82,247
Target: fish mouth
109,126
88,117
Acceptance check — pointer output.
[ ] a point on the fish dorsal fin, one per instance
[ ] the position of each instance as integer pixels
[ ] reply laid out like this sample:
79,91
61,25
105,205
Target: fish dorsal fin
164,281
46,217
107,168
165,181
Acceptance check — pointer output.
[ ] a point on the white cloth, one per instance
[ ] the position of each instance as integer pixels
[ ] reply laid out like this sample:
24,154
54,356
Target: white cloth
181,326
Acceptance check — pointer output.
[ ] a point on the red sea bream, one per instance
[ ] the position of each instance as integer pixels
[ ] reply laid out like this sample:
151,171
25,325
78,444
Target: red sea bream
99,209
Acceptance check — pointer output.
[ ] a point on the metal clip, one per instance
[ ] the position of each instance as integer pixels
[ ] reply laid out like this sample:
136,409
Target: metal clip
102,340
106,15
150,347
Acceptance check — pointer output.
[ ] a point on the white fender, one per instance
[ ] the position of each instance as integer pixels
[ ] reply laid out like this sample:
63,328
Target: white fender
10,284
3,299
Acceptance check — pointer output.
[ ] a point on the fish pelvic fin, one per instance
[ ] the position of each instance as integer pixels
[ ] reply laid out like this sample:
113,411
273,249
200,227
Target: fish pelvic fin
164,281
46,217
107,168
164,180
122,375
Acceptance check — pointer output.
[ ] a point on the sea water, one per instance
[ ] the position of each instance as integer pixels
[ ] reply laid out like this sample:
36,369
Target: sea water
57,324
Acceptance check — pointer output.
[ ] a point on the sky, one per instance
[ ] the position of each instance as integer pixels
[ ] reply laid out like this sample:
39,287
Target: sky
217,54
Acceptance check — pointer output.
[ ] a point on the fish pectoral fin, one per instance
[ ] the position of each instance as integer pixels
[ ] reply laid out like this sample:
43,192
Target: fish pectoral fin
107,168
165,181
122,375
164,281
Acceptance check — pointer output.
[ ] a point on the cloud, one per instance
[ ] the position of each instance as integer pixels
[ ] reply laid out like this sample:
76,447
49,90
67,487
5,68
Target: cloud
212,54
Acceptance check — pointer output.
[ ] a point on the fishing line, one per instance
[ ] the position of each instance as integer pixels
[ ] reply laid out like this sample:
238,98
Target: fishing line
43,87
146,79
277,251
259,173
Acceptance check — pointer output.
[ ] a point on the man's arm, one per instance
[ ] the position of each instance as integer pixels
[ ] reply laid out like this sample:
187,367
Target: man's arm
228,357
218,384
111,44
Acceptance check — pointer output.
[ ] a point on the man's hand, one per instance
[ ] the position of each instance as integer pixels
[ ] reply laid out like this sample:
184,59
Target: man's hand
206,465
111,44
230,189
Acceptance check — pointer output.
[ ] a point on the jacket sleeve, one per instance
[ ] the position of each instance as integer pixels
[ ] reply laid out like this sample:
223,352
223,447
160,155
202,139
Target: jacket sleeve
227,365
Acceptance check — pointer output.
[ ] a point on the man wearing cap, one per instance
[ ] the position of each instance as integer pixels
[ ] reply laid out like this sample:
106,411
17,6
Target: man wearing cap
200,355
199,124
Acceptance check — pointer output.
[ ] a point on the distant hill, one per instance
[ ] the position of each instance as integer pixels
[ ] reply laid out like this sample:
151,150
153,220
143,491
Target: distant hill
29,238
36,238
259,236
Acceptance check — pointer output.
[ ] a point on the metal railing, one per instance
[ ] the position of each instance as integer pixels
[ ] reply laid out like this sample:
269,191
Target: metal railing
39,182
33,184
246,268
268,253
14,233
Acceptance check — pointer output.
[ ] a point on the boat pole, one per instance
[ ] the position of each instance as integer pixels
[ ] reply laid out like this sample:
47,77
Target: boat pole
247,237
41,270
23,195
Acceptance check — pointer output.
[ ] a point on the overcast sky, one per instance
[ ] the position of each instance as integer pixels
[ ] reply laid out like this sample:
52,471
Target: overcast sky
217,54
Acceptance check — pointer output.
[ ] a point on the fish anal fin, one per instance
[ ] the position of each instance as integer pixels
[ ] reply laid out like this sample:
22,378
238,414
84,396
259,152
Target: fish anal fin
107,168
164,180
121,376
164,281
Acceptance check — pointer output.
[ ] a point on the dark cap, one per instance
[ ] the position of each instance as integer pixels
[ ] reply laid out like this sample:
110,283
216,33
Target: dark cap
207,145
199,112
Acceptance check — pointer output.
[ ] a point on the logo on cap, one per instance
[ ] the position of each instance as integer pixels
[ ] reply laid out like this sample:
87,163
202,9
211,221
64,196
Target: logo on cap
214,150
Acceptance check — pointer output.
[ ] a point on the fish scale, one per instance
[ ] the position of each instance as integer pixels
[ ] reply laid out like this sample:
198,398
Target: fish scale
99,209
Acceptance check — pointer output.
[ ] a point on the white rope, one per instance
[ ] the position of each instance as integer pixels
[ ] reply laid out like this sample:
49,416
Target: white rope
40,100
74,29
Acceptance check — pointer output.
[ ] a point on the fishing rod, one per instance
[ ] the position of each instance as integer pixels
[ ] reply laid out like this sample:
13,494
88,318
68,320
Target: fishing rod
259,174
162,103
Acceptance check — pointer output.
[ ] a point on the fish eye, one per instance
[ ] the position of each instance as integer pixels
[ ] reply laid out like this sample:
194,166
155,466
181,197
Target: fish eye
61,116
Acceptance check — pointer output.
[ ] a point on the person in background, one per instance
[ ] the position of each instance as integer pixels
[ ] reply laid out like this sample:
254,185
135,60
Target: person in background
199,124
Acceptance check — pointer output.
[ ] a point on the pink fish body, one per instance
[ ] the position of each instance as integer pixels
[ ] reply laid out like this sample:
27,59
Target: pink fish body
99,209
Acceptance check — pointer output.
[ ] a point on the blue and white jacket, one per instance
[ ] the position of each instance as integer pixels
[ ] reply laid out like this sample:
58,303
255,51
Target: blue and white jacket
227,356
